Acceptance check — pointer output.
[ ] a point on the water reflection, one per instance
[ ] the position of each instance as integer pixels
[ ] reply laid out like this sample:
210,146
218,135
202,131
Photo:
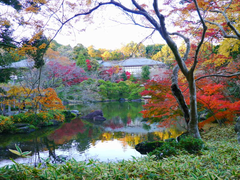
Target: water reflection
113,139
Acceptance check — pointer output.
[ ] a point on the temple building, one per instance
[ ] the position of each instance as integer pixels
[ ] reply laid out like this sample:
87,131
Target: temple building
134,65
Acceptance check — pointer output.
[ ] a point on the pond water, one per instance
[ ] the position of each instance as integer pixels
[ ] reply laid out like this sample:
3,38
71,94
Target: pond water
111,140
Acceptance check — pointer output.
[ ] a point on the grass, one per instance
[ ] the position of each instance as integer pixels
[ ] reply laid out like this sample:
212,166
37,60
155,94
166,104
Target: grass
220,159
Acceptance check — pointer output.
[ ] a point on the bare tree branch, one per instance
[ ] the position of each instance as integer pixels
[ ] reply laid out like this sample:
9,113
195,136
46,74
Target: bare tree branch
202,38
219,75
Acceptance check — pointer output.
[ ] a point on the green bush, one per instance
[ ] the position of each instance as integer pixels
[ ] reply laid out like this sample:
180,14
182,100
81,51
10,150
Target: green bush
188,143
191,144
167,149
39,118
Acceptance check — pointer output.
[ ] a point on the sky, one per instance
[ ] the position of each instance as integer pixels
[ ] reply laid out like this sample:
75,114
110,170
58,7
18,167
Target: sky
110,37
109,32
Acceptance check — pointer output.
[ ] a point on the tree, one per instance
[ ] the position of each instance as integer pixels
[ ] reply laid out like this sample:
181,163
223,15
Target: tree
133,50
78,50
93,53
145,72
153,49
106,55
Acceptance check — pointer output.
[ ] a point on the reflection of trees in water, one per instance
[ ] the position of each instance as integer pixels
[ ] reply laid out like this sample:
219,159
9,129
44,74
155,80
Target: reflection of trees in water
133,139
50,145
111,110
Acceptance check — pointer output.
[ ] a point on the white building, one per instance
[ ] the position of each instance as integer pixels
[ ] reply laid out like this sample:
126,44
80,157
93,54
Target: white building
134,65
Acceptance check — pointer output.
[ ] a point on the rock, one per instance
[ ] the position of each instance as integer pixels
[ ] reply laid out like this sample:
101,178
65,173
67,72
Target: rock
146,147
54,122
237,125
75,112
99,118
136,100
18,125
121,99
95,116
25,129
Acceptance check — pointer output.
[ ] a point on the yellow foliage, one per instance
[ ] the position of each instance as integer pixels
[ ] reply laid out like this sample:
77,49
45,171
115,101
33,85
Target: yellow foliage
42,46
4,22
228,45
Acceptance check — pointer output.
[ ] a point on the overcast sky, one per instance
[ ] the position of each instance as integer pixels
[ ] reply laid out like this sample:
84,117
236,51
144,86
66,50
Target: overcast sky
109,32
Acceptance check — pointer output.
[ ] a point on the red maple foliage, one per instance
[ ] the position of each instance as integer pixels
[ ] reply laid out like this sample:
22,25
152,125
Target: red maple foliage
70,74
211,97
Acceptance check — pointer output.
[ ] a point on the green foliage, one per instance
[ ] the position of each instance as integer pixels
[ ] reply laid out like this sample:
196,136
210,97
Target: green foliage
81,61
80,51
167,149
5,75
123,89
145,72
171,147
153,49
191,144
5,123
19,152
234,89
69,115
36,119
124,76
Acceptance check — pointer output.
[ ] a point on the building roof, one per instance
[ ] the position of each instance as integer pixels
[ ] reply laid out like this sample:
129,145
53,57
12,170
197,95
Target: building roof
140,62
132,62
26,63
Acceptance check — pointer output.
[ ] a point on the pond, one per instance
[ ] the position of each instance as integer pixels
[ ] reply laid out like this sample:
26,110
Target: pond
111,140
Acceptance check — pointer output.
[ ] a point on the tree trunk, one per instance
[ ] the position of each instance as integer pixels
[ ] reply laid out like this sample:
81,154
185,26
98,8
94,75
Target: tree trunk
178,94
193,123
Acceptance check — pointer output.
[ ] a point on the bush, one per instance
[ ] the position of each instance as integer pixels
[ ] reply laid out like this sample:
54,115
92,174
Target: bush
167,149
39,118
191,144
5,123
188,143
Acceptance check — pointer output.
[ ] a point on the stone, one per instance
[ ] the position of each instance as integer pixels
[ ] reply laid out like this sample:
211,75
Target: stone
25,129
18,125
54,122
136,100
146,147
99,118
95,116
121,99
75,112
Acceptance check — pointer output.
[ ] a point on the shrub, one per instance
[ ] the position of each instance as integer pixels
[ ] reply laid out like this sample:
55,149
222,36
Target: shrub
5,123
39,118
167,149
191,144
188,143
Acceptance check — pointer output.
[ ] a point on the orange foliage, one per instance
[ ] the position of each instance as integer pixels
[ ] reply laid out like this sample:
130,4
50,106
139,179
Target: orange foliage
47,98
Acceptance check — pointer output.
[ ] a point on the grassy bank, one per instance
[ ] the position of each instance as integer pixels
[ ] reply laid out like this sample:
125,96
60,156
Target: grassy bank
220,159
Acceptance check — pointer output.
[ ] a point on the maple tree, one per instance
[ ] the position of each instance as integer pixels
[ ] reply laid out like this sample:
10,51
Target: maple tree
68,75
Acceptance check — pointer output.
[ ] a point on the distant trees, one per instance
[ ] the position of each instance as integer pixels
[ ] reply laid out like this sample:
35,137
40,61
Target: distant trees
145,72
